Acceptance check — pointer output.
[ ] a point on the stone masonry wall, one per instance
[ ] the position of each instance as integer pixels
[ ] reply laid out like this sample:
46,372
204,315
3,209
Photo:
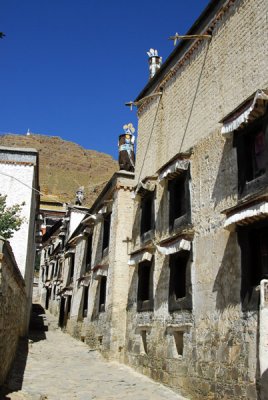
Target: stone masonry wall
219,75
220,340
105,330
220,358
13,310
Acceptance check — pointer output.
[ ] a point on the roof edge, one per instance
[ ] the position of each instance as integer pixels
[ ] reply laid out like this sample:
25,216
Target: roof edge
198,26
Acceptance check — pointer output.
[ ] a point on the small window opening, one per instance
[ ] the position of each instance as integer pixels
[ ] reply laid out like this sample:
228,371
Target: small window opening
54,292
47,269
89,253
144,295
100,340
144,348
177,281
252,151
178,199
85,301
102,299
106,232
56,269
71,267
178,339
147,213
253,241
69,302
52,270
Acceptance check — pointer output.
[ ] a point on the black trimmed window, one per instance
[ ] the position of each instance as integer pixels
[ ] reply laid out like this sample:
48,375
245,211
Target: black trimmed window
102,295
253,241
68,307
252,152
56,274
179,281
47,272
106,232
52,270
179,201
71,264
85,301
89,252
145,286
147,214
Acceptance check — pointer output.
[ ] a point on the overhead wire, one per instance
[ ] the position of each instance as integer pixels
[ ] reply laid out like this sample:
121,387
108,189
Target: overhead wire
41,193
150,136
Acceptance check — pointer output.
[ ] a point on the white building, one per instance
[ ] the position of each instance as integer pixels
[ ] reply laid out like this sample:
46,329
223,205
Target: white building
19,181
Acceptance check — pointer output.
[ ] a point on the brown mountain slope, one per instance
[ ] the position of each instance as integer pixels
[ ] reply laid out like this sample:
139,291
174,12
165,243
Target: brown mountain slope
64,166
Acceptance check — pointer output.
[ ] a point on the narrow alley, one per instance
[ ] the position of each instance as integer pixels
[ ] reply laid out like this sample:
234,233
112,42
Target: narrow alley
72,371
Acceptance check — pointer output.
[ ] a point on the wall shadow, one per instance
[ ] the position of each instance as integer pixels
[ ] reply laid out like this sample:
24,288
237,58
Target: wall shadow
264,386
228,280
226,182
15,377
37,329
132,291
38,325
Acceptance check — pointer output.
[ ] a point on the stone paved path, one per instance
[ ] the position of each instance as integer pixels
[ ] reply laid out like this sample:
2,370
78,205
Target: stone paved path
58,367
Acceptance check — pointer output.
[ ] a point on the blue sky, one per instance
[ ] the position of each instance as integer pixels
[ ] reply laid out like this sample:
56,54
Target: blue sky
68,67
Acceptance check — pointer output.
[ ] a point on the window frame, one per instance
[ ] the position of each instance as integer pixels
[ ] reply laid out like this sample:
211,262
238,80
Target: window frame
71,266
180,184
85,301
102,294
244,142
145,301
177,262
106,233
147,225
89,252
251,240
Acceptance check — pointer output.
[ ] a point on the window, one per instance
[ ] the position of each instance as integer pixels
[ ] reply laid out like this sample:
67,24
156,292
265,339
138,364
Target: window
178,339
144,347
179,281
253,241
89,253
102,298
85,301
47,271
52,270
69,303
147,214
106,232
56,269
179,201
252,152
145,286
71,263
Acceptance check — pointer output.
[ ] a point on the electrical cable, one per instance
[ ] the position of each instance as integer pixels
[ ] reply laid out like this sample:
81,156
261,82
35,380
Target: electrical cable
150,136
40,193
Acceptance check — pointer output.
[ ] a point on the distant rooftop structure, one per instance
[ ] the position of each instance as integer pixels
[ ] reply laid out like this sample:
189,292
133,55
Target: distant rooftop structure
52,210
154,62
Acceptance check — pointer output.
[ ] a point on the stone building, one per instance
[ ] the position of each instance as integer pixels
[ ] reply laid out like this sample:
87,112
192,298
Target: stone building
19,181
52,256
51,211
91,289
13,307
194,319
181,292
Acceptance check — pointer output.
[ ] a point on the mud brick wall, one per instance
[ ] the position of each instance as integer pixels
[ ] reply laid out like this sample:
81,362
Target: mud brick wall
12,308
220,340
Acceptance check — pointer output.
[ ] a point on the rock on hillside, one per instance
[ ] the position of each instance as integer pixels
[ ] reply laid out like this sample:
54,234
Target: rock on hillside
64,166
